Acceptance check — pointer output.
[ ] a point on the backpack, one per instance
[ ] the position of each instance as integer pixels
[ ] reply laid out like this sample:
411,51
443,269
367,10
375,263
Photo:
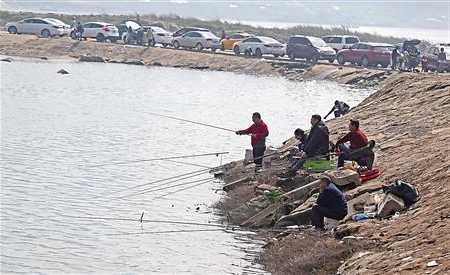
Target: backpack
404,190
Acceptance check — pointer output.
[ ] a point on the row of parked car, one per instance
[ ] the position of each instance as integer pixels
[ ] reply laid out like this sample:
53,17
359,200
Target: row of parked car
343,48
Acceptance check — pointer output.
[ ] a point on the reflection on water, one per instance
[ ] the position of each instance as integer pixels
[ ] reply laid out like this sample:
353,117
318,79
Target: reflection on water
55,128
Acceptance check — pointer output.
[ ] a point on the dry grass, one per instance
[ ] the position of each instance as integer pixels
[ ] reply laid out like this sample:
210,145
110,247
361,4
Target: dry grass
307,253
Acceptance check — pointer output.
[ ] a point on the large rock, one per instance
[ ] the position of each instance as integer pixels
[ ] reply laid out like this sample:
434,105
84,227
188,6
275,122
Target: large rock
8,59
93,58
134,62
62,71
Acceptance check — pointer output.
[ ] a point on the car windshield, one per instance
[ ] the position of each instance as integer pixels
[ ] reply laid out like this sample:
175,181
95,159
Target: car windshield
158,29
209,35
57,21
332,39
383,48
268,40
317,42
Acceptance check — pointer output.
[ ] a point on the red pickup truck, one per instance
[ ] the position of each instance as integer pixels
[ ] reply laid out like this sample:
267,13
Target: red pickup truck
367,54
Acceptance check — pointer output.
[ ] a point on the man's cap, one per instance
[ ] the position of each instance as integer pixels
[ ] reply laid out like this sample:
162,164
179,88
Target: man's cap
326,178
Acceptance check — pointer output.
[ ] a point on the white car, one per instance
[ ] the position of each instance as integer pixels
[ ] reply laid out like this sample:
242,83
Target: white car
259,46
198,40
36,26
67,28
134,26
160,36
101,31
339,42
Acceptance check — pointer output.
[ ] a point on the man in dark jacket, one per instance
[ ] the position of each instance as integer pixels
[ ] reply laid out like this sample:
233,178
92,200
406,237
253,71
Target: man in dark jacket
359,150
340,108
330,203
317,143
258,131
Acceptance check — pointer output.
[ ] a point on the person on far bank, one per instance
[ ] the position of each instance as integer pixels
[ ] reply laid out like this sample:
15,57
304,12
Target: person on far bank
330,203
394,59
258,131
358,140
340,108
442,58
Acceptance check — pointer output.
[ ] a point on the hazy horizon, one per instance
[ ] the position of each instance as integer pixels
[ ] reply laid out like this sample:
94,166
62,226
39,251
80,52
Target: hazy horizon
388,13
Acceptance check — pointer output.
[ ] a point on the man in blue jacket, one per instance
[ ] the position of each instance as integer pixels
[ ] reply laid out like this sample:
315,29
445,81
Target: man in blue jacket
330,203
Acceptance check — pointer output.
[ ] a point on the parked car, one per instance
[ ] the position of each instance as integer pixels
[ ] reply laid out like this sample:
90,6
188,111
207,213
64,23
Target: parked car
67,28
101,31
367,54
36,26
258,46
430,61
182,31
310,48
409,55
160,36
339,42
228,42
197,39
124,31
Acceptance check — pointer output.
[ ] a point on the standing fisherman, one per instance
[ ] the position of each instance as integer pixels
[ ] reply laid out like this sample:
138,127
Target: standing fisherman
258,131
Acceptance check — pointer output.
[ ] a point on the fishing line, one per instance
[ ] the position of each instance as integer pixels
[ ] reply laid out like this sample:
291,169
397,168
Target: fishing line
164,158
151,190
183,189
190,121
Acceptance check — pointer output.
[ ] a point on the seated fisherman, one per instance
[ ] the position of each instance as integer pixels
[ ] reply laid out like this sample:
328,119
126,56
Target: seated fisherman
340,108
360,149
317,144
301,136
330,203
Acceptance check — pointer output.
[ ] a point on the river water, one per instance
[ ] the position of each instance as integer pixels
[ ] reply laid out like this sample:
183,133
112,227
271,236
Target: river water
57,129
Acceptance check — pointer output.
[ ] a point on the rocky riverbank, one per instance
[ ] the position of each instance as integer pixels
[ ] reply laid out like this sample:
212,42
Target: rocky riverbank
91,51
409,119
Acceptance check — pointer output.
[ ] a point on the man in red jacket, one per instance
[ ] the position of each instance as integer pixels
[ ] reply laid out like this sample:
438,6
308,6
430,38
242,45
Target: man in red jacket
258,132
358,142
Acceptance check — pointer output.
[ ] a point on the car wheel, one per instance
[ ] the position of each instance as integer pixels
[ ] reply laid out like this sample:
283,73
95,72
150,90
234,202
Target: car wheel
340,59
213,50
113,40
291,56
258,52
365,62
100,37
12,30
276,55
199,47
384,65
331,60
314,59
176,44
236,50
45,33
164,45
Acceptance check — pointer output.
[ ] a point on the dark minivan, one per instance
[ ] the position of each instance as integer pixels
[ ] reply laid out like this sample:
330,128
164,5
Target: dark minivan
310,48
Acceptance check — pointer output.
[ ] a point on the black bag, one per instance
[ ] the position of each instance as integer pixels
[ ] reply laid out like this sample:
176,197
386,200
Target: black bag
404,190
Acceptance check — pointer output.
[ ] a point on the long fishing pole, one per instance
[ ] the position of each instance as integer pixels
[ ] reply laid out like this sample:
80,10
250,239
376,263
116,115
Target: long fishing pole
164,232
183,189
155,189
164,158
158,181
188,163
194,122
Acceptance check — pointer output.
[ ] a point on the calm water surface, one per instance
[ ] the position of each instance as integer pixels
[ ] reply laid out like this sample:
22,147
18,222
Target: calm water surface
56,128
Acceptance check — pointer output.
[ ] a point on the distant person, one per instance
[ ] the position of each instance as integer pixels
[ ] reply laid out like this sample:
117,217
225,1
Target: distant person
395,56
301,136
359,150
442,58
340,108
223,35
140,36
130,35
79,31
330,203
74,22
258,131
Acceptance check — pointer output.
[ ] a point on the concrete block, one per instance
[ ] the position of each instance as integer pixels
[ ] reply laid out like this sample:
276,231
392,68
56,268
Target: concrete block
390,205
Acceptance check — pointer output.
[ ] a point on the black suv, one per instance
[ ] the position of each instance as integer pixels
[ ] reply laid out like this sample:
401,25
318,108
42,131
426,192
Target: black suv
310,48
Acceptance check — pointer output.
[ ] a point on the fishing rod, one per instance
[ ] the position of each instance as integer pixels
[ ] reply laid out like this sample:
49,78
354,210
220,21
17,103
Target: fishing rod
188,163
164,158
164,232
201,171
194,122
155,189
183,189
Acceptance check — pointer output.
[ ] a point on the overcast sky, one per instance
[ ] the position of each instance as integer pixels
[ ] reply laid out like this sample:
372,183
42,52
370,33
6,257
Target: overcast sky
393,13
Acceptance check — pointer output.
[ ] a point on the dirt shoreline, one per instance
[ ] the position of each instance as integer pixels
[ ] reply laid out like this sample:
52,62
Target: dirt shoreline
409,119
32,46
